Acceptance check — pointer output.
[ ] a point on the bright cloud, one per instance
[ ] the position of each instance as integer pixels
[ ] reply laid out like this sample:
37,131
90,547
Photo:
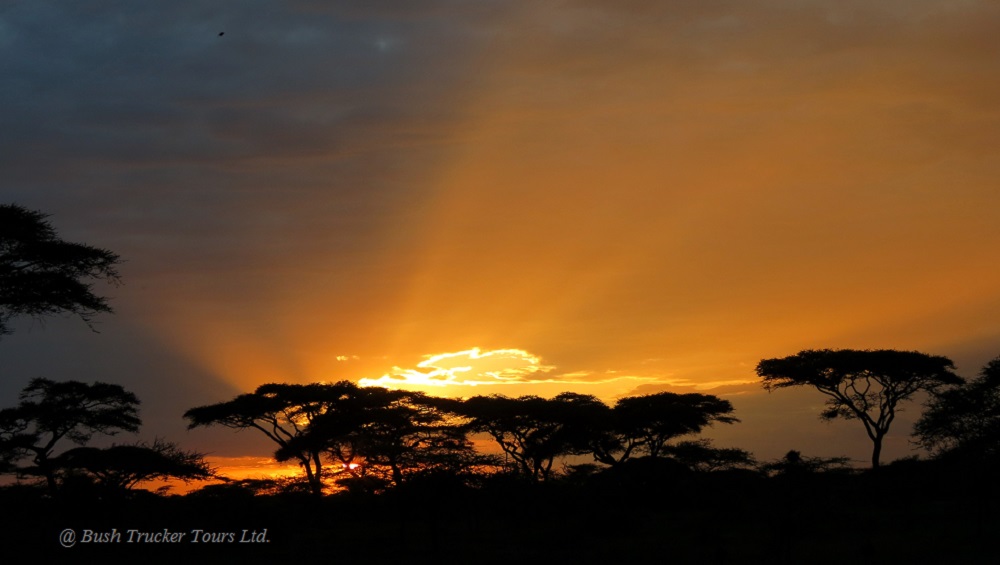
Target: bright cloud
471,367
516,367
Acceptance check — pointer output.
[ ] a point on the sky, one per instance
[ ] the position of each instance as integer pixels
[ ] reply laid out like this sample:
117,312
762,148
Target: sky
479,197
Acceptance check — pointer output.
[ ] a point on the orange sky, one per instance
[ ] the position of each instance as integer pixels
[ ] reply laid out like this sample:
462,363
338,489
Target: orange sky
627,198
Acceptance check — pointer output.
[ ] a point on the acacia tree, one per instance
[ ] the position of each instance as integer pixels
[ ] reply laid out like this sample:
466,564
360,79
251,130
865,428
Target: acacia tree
123,467
41,274
409,435
965,421
283,413
866,385
701,455
646,424
51,411
533,431
390,435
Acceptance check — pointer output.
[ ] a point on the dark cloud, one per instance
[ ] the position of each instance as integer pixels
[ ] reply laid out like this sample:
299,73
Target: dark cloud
93,91
303,125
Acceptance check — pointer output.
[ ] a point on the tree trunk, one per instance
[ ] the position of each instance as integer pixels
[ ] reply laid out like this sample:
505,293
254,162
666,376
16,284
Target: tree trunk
311,479
876,451
317,478
45,468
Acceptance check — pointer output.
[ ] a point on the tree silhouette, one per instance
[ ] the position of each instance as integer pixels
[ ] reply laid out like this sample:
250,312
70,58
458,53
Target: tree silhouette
645,424
41,274
52,411
965,421
283,413
409,435
865,385
702,456
123,467
386,436
533,431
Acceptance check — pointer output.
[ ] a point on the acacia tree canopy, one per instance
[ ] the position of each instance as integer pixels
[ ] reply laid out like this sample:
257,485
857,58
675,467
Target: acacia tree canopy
51,411
389,433
533,431
122,467
41,274
866,385
701,455
392,435
283,413
645,424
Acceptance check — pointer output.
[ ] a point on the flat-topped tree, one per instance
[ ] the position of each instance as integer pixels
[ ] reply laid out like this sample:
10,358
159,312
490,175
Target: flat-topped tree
283,413
389,432
389,436
534,431
50,412
120,468
647,424
866,385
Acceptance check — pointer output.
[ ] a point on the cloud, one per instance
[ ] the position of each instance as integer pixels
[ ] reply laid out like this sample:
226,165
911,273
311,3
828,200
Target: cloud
515,372
171,135
471,367
719,388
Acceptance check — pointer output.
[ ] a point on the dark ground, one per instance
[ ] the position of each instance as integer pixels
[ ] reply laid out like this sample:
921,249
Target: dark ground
916,513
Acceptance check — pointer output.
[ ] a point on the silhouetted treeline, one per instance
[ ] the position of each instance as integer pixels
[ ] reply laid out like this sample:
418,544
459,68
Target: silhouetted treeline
371,439
409,484
374,440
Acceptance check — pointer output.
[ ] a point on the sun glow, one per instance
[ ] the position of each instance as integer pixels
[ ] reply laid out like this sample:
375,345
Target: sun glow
472,367
516,372
238,468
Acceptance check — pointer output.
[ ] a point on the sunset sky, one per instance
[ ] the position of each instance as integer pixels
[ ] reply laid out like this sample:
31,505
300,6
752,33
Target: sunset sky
478,197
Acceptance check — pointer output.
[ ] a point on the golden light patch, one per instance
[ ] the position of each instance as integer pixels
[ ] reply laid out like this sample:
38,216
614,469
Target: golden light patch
233,468
516,372
472,367
238,468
